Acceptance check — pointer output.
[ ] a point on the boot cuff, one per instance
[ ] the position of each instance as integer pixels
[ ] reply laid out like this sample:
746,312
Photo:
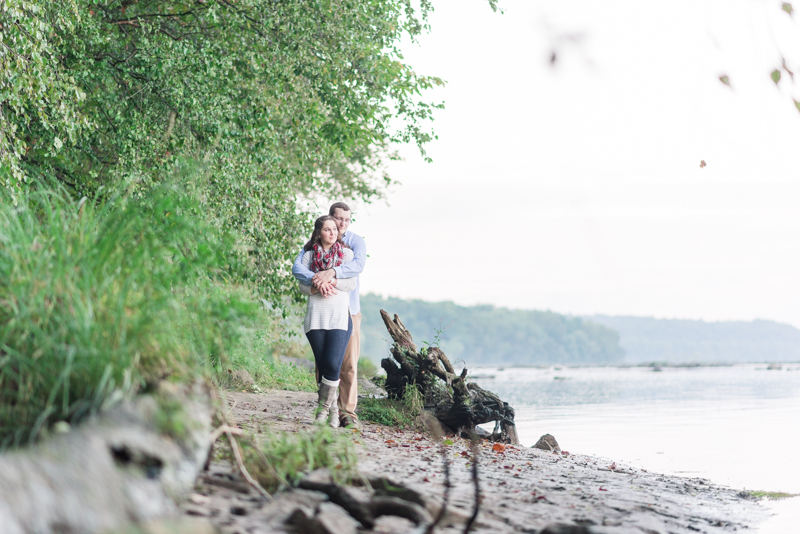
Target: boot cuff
330,383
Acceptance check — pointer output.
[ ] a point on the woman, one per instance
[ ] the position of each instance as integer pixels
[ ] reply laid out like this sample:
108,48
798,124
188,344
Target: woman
328,324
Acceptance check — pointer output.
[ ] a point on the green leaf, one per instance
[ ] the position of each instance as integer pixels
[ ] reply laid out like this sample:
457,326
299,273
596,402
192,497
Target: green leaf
797,105
776,76
448,442
725,79
786,6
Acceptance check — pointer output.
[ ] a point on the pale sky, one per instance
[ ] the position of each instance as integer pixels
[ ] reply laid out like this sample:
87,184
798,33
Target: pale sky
578,189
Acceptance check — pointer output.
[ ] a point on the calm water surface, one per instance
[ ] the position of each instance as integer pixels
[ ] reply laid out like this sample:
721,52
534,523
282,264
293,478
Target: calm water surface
738,426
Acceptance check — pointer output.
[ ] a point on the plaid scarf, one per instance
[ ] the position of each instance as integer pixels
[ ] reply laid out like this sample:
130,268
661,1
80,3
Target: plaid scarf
325,260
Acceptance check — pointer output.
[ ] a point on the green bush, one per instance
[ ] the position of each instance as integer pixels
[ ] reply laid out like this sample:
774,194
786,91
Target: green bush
283,458
99,298
366,368
403,413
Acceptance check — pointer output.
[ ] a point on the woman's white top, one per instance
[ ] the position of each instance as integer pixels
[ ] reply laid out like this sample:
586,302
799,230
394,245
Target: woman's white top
328,313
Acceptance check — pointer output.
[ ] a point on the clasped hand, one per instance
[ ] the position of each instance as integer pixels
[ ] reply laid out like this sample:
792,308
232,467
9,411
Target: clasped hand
324,283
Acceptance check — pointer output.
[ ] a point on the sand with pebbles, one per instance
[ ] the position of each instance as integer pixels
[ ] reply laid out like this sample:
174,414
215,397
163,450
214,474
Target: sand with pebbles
522,489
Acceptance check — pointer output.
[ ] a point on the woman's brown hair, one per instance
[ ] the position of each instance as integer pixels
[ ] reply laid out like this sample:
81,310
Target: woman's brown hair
315,235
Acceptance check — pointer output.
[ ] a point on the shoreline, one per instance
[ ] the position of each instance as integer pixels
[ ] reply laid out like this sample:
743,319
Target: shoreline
523,489
622,365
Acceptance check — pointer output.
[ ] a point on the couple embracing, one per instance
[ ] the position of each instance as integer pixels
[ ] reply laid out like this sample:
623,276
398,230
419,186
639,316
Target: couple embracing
327,269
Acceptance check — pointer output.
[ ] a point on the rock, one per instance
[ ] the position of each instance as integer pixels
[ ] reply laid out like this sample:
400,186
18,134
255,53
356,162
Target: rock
547,443
385,487
201,500
367,389
563,528
184,525
288,504
317,477
241,378
108,471
335,520
328,519
401,508
569,528
353,500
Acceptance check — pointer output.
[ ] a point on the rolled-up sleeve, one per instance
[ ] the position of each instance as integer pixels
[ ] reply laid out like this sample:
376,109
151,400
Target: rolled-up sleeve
301,271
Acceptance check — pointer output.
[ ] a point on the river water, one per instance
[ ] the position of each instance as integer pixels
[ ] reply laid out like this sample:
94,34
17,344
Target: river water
738,426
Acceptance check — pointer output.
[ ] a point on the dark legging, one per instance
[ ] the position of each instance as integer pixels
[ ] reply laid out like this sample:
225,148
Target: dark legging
328,347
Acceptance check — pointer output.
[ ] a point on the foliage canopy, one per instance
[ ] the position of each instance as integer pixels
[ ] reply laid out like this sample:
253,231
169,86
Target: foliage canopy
258,103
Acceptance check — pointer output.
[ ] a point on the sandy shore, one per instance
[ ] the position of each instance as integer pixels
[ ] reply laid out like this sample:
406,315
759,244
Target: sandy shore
523,489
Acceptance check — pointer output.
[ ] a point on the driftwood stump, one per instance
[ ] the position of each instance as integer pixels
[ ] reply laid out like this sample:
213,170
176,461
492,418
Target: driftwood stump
458,405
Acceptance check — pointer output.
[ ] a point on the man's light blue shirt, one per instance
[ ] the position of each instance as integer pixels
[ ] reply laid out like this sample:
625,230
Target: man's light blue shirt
348,270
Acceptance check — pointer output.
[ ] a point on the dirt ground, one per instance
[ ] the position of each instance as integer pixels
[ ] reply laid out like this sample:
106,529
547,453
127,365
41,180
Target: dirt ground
522,489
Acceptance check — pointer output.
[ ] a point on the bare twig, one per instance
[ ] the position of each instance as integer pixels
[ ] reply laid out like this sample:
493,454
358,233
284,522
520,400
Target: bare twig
475,480
133,23
237,453
225,428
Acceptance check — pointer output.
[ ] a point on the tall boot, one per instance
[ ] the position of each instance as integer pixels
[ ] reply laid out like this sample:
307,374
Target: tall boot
334,420
328,393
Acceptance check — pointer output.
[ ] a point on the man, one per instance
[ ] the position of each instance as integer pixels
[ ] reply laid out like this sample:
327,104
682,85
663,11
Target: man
348,387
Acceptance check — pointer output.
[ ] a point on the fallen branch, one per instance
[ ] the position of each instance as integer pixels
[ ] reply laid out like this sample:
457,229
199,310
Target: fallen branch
457,404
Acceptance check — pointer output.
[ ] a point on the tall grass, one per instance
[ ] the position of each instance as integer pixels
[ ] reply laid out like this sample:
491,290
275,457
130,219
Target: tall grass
99,298
281,459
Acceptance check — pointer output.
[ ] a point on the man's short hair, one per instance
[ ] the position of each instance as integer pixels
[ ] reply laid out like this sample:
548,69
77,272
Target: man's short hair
338,205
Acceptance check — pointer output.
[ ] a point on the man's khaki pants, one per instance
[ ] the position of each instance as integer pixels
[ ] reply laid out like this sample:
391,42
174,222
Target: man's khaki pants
348,387
348,376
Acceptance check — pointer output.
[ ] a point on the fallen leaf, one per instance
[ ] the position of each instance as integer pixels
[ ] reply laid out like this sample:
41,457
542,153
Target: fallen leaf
703,163
603,489
786,6
498,447
725,79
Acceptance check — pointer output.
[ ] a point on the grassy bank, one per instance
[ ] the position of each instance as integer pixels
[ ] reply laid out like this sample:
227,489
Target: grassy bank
100,299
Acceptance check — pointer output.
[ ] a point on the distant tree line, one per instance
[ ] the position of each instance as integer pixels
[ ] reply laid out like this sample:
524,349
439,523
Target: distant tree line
490,335
646,339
